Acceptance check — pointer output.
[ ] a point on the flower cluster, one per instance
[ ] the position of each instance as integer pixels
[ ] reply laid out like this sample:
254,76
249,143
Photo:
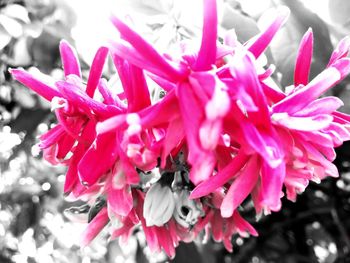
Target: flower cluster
180,165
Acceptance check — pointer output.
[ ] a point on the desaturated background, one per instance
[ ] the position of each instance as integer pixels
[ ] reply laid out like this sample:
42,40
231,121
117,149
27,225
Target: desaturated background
34,226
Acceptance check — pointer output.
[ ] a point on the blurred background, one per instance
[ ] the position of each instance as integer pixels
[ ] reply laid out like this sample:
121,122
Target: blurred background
35,225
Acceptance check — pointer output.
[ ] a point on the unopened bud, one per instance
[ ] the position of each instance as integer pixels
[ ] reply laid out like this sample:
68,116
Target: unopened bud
159,205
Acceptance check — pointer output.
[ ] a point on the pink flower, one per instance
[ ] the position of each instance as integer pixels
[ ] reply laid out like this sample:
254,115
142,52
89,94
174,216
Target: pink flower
192,86
76,111
289,142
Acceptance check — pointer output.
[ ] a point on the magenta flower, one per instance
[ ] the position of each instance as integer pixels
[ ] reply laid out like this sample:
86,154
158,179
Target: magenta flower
223,132
76,111
298,117
192,86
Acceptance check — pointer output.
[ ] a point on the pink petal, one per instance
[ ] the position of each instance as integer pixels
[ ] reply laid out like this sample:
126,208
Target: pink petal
244,73
108,97
305,95
313,123
98,159
36,83
340,51
69,59
122,49
326,105
273,94
131,175
71,181
259,44
173,137
80,99
243,225
343,133
271,186
314,154
317,138
265,145
207,53
303,61
51,137
202,167
222,177
145,49
96,70
134,85
241,187
343,66
95,227
120,200
72,172
64,146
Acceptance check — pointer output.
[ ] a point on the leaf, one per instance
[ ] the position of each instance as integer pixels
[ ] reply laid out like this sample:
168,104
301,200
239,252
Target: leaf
284,48
5,38
12,26
339,11
16,11
244,25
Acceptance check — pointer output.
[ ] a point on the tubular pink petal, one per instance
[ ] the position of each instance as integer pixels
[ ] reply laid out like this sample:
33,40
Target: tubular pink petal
124,50
98,159
120,200
243,71
317,137
72,172
207,53
80,99
305,95
108,97
274,95
263,144
343,66
243,225
95,227
202,167
304,58
340,51
222,177
161,113
271,186
69,59
96,71
192,113
241,187
134,84
112,124
36,84
326,105
175,133
340,130
65,144
312,123
260,43
131,175
145,49
52,136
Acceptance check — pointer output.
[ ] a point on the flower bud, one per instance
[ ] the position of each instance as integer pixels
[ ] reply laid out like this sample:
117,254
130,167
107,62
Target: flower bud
159,205
187,211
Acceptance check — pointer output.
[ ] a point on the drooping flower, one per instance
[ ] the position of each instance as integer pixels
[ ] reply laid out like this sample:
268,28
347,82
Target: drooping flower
76,111
223,132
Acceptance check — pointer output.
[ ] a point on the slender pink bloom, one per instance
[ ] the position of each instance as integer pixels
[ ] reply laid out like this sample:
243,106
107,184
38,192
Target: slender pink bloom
76,111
